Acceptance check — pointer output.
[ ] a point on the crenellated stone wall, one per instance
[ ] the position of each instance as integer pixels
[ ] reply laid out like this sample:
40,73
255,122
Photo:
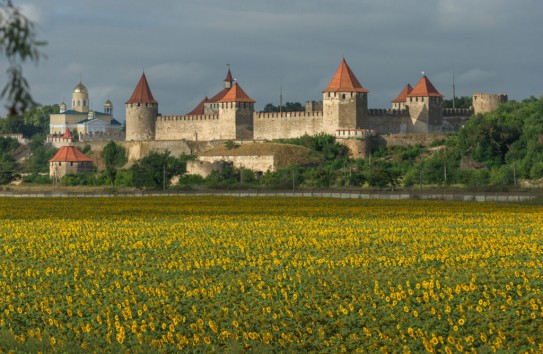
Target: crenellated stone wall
454,119
196,128
486,102
286,125
389,121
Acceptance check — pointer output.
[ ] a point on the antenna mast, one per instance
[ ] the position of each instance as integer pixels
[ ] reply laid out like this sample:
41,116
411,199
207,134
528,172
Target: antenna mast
454,91
281,96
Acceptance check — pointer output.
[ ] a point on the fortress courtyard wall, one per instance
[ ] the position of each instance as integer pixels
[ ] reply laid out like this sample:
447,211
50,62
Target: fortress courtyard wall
286,125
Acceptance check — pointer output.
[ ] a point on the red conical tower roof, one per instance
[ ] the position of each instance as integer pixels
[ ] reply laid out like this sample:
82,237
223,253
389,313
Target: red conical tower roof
236,94
424,88
142,92
403,95
344,80
69,154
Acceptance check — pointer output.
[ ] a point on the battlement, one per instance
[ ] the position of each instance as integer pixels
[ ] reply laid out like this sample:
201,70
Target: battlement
264,115
450,112
188,118
487,102
18,137
355,133
387,112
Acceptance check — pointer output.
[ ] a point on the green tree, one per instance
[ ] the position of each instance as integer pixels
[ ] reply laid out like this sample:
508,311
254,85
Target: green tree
155,170
459,102
114,157
18,43
287,107
8,168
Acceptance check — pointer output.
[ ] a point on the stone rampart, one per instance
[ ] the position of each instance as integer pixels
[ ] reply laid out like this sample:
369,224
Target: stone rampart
388,121
354,133
407,139
191,118
203,168
387,112
259,163
457,112
18,137
196,128
286,125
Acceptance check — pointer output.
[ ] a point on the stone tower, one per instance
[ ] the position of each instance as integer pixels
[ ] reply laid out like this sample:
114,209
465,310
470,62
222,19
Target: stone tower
80,98
141,113
485,102
425,105
345,102
236,110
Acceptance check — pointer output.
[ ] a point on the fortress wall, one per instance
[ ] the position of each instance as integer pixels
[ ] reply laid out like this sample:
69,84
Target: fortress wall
388,121
261,163
286,125
200,127
407,139
453,120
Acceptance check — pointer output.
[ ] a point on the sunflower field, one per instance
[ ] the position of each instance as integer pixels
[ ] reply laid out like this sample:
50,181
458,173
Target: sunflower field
226,274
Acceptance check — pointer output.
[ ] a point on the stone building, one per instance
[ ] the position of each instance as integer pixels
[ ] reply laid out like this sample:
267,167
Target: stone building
80,118
69,161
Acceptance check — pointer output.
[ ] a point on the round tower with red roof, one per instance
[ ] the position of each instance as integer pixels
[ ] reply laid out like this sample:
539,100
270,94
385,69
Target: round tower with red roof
345,102
141,113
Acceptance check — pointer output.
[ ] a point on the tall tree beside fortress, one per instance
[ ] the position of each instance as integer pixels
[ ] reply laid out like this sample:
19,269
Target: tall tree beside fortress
18,43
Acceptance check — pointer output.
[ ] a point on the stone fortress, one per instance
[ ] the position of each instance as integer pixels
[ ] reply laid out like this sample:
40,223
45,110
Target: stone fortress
343,112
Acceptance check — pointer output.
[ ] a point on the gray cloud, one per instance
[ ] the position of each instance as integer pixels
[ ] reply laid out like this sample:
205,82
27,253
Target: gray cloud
184,47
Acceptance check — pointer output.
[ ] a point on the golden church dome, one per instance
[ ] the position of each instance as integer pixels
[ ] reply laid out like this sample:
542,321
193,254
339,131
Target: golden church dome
80,88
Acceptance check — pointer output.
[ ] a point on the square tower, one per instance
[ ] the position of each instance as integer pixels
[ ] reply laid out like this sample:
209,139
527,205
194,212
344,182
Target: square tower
345,102
425,105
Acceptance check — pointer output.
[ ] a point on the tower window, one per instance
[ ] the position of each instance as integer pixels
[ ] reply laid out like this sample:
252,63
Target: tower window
78,103
343,96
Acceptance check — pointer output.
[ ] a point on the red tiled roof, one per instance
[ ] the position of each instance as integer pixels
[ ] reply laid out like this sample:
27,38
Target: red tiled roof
219,96
424,88
199,109
236,94
344,80
69,154
67,134
403,95
142,92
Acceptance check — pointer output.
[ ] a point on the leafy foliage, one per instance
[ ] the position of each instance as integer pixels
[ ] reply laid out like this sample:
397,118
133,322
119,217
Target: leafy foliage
114,157
287,107
19,43
155,170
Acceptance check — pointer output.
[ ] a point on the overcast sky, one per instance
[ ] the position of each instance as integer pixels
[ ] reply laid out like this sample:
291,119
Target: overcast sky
495,46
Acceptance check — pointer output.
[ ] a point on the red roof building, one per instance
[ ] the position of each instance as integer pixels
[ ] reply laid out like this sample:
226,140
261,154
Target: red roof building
344,80
69,160
142,93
